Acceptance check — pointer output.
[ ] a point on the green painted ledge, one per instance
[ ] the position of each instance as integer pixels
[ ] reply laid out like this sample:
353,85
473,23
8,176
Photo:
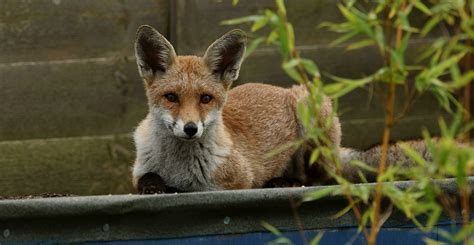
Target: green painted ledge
129,217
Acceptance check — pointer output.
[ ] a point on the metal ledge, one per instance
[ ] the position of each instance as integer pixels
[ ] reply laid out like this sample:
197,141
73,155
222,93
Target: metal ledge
134,217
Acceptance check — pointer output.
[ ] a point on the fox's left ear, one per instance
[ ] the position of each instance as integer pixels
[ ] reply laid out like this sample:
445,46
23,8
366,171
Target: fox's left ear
225,56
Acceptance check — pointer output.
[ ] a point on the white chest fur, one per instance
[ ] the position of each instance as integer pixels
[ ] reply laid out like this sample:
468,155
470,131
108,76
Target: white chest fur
186,165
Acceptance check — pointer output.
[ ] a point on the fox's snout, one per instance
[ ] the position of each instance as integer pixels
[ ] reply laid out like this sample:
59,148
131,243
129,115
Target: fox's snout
180,128
190,129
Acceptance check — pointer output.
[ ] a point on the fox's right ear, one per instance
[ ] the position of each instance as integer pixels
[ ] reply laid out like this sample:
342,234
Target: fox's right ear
153,52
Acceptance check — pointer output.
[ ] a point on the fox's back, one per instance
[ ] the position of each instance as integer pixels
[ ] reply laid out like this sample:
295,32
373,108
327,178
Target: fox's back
261,118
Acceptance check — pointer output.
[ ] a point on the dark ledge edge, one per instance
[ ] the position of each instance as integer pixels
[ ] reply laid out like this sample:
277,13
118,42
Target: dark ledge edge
128,217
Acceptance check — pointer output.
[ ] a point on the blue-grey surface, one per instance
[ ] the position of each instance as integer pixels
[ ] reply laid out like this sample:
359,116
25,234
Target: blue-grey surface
133,217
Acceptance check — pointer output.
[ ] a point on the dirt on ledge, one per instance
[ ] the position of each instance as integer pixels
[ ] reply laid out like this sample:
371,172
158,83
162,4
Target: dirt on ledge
43,195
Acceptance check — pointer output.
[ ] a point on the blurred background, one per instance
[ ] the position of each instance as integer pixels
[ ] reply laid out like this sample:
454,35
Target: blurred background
70,94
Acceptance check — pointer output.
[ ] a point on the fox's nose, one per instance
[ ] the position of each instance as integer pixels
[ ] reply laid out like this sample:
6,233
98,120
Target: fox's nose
190,129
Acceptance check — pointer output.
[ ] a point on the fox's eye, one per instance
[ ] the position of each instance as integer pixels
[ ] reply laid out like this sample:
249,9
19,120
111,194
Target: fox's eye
171,97
205,98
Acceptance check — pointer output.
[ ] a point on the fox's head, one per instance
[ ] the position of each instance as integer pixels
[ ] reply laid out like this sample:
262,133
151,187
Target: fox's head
186,94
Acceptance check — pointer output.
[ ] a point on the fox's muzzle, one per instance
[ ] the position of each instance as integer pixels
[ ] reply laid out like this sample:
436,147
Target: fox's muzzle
190,129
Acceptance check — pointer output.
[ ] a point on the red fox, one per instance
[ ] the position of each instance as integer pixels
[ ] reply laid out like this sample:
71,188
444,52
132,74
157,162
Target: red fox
201,135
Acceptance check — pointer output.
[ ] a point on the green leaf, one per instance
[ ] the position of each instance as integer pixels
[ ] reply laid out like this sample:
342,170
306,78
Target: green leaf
464,232
320,193
314,156
310,67
281,240
445,234
281,6
432,22
272,37
235,2
292,72
462,81
291,37
363,165
258,24
346,13
365,217
253,45
420,6
283,40
343,86
361,44
434,216
241,20
279,149
343,38
271,228
342,212
412,154
430,241
440,68
317,238
333,88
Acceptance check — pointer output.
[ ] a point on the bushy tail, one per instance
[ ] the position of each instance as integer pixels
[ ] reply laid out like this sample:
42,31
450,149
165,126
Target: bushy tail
371,157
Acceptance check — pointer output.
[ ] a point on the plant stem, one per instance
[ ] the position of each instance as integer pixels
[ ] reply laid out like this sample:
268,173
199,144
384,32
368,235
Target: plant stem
467,65
388,123
386,138
307,83
465,195
356,211
466,190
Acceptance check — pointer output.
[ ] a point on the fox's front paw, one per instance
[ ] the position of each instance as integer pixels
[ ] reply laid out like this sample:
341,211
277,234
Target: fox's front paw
282,182
151,183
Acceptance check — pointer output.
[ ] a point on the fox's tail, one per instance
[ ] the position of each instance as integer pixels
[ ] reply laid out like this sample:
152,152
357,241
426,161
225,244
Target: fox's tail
371,157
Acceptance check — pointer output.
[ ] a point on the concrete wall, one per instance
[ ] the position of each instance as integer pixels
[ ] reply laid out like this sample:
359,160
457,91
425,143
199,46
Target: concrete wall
67,70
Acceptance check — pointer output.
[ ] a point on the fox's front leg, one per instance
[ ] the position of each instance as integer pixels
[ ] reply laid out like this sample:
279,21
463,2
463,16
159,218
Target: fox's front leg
150,183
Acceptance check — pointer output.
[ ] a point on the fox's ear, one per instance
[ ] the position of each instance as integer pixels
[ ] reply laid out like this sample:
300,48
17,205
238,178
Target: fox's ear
225,55
153,52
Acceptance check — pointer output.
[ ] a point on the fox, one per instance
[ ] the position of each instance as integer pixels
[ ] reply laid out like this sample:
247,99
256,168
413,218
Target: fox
202,135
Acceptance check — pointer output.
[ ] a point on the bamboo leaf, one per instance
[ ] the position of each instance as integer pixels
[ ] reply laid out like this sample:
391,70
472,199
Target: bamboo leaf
281,6
363,165
310,67
281,240
314,156
430,241
414,155
271,37
361,44
432,22
289,145
258,24
463,233
320,193
316,239
271,228
290,70
253,45
241,20
343,38
342,212
422,7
